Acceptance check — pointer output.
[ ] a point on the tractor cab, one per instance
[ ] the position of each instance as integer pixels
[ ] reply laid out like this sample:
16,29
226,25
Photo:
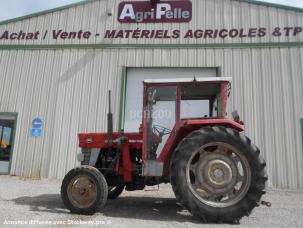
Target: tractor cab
170,104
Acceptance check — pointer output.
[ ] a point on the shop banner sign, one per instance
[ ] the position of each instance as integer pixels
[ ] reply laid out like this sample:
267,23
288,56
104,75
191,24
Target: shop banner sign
160,12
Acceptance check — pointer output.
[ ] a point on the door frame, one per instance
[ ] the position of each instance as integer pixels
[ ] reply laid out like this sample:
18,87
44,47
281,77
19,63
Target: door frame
15,116
125,69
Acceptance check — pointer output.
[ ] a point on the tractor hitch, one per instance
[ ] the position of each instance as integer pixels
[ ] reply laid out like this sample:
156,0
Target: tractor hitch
266,203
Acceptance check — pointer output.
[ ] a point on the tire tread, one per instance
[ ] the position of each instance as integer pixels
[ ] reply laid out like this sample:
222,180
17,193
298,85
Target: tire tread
208,214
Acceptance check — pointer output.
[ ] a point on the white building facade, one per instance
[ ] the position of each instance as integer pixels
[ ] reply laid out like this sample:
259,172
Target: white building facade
57,66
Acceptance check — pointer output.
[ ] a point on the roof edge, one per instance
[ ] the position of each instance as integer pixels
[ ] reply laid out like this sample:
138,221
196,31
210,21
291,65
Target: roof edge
254,2
83,2
274,5
193,79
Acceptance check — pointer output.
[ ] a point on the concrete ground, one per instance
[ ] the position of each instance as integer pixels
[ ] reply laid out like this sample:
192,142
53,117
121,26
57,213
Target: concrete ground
38,202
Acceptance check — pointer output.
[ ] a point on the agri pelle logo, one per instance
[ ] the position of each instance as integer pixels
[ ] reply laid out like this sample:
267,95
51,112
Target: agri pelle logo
155,12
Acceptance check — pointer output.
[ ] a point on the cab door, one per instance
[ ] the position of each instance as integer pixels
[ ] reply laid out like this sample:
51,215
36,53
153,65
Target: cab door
160,118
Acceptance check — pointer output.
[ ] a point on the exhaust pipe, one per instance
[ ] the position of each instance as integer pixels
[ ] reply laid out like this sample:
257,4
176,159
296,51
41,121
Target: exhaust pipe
109,123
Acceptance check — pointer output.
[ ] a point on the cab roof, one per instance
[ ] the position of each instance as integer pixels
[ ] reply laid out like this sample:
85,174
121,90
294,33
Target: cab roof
187,80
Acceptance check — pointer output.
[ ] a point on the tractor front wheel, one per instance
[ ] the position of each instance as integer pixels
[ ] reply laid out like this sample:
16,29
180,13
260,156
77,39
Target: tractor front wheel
218,174
84,190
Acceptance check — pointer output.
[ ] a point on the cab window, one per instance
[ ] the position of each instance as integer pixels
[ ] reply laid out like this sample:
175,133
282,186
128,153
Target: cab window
199,101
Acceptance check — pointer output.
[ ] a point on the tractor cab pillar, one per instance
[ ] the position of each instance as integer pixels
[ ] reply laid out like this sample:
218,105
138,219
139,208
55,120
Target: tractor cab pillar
159,119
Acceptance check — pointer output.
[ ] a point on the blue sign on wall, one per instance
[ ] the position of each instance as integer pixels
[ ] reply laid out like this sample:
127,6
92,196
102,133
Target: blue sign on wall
36,132
37,123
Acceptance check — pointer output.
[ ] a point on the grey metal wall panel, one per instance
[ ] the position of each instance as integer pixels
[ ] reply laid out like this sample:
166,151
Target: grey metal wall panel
67,87
207,14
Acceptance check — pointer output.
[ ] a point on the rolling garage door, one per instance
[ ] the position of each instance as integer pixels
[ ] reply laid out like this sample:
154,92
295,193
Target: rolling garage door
134,88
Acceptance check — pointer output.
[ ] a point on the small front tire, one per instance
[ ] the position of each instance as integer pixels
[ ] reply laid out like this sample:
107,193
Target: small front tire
84,190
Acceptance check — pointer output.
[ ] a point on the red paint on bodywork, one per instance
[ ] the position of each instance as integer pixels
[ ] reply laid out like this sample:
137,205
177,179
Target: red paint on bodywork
221,122
127,164
185,127
182,128
224,96
99,140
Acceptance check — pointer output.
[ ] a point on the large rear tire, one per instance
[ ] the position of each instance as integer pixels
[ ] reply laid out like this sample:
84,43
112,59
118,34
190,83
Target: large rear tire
84,190
218,174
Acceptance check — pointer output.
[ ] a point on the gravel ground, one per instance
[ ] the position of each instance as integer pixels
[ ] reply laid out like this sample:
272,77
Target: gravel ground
39,202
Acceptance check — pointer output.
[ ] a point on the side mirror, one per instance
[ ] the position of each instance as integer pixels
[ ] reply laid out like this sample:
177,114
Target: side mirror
235,116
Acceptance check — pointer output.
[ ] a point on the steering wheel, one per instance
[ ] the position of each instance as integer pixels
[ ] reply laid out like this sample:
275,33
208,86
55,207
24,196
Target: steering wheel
161,131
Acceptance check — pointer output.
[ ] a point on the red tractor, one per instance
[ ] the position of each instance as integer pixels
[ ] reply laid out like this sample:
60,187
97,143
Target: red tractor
216,172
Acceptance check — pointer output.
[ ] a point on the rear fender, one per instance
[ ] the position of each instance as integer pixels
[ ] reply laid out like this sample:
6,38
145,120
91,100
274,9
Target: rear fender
212,122
184,128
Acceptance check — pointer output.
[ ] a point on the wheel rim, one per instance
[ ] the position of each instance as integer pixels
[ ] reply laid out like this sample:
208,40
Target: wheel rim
218,174
82,191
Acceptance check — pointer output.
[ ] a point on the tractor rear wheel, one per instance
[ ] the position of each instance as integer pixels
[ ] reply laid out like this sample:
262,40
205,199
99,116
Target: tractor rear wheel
115,192
84,190
218,174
